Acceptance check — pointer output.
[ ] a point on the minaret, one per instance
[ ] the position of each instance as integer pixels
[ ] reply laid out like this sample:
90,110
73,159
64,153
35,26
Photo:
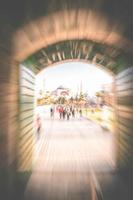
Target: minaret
43,86
81,88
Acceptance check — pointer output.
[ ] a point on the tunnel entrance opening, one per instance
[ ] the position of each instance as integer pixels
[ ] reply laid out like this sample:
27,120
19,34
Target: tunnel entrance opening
94,103
75,104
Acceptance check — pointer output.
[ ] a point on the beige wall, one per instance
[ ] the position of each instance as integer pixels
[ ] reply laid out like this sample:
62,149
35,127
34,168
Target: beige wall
124,92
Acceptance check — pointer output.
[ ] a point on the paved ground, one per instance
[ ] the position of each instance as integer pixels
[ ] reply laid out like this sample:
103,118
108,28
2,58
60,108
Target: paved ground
67,154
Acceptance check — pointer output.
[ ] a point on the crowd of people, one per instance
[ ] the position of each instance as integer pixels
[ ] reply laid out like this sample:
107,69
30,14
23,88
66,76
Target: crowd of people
65,112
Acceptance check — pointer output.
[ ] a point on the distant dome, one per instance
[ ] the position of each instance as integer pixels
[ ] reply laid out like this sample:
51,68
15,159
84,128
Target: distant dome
61,87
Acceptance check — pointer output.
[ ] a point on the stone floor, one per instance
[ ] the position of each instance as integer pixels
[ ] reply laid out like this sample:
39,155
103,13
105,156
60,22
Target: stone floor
76,161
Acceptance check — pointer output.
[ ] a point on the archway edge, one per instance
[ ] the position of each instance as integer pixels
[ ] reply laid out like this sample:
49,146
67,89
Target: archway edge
84,61
67,25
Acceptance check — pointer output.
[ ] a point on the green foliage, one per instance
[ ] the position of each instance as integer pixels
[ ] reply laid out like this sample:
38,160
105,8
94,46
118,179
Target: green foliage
61,100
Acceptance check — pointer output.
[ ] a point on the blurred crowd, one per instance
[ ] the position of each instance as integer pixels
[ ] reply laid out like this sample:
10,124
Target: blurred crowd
65,112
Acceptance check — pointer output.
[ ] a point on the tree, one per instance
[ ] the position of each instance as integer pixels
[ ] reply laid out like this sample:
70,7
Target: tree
61,100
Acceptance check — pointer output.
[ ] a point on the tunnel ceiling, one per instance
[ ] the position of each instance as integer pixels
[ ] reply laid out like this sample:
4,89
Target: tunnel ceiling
54,30
110,58
19,13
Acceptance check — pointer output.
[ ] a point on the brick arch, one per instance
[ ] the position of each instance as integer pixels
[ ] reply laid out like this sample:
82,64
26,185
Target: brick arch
66,25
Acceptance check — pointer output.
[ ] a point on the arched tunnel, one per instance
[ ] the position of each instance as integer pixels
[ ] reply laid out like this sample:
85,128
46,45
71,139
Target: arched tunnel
40,33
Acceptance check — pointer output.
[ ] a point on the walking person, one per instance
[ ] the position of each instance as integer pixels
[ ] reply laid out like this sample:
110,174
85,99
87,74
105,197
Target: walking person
73,113
80,112
38,124
64,113
51,112
61,112
68,113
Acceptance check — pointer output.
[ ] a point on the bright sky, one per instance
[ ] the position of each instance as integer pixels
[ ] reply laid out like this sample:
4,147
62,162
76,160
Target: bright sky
71,75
